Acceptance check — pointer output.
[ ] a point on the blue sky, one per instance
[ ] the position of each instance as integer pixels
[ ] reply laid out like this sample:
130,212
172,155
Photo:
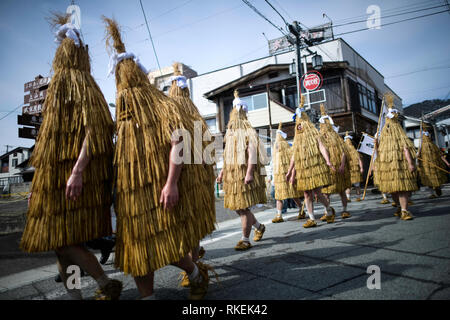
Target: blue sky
212,34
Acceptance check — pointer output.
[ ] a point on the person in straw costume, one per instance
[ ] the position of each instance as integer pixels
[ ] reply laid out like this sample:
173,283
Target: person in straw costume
163,207
395,169
283,189
243,172
429,157
356,167
179,91
310,165
71,191
340,178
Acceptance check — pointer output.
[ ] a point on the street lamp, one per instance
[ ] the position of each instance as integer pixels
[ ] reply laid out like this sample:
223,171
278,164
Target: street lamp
317,62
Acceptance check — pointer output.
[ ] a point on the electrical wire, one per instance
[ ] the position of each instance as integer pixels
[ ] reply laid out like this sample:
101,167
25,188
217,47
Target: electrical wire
389,16
10,112
422,4
150,35
395,22
264,17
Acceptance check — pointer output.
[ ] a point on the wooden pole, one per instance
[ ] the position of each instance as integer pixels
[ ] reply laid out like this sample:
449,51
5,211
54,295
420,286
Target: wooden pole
371,158
432,164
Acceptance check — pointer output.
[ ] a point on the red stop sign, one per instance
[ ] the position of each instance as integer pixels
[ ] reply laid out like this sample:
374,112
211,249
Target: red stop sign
312,80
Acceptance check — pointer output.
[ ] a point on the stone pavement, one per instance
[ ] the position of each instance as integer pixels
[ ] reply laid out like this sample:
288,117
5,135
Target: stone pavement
290,262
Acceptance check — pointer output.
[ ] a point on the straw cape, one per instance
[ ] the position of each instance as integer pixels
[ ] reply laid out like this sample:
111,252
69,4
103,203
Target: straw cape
148,236
355,173
312,170
180,93
74,111
391,166
239,137
281,161
430,176
336,148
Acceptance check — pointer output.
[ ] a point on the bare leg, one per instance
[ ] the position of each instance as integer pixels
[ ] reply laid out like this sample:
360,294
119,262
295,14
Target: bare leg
324,199
82,257
247,220
347,193
298,202
309,204
279,205
403,197
194,254
145,284
343,200
395,197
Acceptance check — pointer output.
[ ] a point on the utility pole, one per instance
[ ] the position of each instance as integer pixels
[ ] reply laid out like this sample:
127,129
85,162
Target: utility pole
295,29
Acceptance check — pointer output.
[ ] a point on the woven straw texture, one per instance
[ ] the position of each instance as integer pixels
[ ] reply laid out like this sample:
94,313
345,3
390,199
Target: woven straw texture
312,170
239,136
336,148
148,236
355,173
431,176
281,161
392,173
74,109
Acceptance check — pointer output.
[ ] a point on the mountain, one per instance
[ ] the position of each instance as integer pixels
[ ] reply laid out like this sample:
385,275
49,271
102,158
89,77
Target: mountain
416,109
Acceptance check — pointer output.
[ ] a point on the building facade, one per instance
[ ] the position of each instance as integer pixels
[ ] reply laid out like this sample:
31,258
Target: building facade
10,169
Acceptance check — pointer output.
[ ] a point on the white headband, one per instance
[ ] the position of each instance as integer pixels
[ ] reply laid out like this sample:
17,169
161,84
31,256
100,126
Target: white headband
348,137
322,119
391,113
67,30
238,103
181,81
336,128
284,135
299,111
116,58
426,133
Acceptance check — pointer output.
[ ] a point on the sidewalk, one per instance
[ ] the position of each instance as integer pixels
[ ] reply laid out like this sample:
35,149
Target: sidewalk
326,262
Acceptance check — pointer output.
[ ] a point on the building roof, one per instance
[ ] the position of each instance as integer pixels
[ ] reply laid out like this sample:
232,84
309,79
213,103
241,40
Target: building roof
12,151
261,71
252,75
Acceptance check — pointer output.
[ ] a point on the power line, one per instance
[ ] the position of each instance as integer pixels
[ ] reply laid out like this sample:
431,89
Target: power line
396,9
417,71
387,24
263,16
389,16
148,29
10,112
282,9
284,20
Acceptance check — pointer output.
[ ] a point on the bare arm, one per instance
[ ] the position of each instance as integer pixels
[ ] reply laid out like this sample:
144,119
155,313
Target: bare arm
220,176
325,154
169,194
445,161
251,164
361,166
409,159
75,183
290,176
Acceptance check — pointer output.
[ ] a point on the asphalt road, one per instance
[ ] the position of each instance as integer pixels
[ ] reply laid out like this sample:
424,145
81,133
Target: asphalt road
330,261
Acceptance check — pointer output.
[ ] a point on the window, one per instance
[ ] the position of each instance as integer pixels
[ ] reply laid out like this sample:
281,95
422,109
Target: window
256,102
211,124
366,99
14,163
